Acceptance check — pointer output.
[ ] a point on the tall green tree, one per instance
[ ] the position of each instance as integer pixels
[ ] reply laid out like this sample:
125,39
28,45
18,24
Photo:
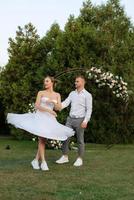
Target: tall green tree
51,64
18,76
114,36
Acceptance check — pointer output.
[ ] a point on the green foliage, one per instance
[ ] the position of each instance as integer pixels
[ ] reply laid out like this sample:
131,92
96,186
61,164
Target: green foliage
101,36
114,36
4,129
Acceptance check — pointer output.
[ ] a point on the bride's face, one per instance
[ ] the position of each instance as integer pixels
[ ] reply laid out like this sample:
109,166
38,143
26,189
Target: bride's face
48,83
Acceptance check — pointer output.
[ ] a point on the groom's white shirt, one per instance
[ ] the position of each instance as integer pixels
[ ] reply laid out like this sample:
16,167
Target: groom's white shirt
81,104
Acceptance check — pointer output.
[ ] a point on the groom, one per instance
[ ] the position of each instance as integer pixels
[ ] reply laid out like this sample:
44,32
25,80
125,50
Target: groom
80,113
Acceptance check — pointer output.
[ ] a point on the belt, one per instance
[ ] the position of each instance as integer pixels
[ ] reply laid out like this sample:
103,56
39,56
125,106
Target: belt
74,117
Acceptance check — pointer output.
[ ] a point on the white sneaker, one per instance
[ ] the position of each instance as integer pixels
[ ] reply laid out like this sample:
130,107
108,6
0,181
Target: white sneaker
44,166
35,164
63,159
78,162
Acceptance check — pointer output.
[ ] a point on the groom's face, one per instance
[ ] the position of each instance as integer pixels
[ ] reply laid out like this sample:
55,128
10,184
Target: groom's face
79,82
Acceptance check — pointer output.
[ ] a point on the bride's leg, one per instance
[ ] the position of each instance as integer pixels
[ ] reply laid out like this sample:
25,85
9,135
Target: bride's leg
38,151
37,157
42,142
41,149
35,162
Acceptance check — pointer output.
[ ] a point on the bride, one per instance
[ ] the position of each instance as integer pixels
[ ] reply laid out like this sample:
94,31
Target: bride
43,122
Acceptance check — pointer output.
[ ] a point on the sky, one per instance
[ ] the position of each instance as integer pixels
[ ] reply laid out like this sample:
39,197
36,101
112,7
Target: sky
42,14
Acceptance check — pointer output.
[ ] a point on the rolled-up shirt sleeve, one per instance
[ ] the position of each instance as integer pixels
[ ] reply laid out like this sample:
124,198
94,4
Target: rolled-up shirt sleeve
66,102
88,108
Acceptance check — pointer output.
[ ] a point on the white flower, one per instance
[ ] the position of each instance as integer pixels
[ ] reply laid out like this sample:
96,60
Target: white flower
49,53
92,69
124,87
117,95
72,143
33,139
89,74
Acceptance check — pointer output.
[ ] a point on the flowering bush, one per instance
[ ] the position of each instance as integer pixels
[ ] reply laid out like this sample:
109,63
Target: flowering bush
115,83
51,144
54,144
31,107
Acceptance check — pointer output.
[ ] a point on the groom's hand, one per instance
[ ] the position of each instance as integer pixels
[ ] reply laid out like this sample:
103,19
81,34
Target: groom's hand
54,113
84,125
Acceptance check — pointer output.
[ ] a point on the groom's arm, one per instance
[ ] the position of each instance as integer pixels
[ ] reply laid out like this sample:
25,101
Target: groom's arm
66,102
88,110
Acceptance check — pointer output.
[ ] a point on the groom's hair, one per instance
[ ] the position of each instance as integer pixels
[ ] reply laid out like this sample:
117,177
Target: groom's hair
81,76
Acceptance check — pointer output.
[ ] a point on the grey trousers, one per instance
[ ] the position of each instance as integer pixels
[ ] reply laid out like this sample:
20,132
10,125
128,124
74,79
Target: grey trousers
75,123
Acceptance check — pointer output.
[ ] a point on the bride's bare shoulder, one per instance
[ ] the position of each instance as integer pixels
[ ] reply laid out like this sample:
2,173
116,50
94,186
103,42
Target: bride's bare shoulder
41,92
57,94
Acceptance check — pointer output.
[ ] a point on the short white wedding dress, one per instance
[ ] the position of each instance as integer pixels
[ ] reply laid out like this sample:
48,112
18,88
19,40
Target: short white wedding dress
42,124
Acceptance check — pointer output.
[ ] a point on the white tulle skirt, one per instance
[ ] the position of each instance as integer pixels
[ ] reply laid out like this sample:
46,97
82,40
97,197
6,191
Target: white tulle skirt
41,124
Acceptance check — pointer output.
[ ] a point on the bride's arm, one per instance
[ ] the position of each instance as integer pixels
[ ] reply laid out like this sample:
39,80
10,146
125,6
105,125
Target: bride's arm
43,109
57,105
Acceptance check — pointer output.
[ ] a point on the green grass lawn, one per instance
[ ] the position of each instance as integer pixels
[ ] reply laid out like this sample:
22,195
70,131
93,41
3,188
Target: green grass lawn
107,174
